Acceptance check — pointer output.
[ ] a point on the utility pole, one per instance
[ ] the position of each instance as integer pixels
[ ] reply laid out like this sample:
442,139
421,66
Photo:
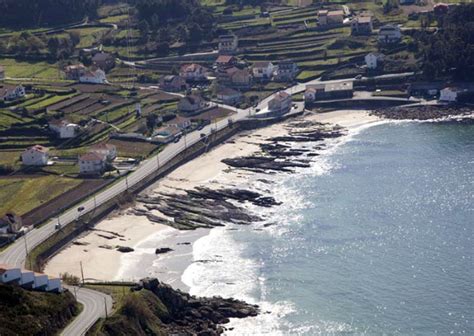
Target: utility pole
157,161
75,292
26,250
95,202
126,181
82,273
105,305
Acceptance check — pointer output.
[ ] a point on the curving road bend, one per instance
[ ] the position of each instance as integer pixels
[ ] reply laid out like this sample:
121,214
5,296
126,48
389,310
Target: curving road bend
95,305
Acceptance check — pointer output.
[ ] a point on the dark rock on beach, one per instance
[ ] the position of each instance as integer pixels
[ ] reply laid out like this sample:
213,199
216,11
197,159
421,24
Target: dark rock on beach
125,249
162,250
203,207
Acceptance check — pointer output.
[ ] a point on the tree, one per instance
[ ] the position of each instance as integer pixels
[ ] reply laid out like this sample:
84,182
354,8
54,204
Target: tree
53,46
151,121
75,37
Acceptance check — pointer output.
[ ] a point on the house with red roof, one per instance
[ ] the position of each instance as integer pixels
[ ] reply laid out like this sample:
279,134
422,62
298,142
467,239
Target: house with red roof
36,155
193,72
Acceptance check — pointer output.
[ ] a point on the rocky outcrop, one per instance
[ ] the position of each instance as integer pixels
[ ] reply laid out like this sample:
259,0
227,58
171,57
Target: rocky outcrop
190,315
278,155
203,207
422,112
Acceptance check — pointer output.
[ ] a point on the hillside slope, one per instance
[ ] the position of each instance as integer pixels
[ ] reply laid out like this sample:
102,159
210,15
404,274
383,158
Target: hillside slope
154,308
24,312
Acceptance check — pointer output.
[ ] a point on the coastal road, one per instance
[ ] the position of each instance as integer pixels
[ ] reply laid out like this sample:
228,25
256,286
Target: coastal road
95,304
16,253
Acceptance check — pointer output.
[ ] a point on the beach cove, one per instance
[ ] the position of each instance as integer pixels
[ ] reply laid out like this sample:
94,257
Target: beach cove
102,262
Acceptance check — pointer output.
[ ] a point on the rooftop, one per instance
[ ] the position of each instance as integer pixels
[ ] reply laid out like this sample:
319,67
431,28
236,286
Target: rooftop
363,19
262,64
92,156
39,148
225,59
336,13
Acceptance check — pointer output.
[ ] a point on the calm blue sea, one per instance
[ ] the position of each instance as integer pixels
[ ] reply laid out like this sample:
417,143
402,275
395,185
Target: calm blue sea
377,238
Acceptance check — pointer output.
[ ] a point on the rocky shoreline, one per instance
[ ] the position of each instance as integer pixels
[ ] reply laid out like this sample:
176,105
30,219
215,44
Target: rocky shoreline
203,207
190,315
422,112
153,307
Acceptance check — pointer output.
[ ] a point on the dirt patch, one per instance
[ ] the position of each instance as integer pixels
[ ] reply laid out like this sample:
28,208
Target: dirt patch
94,88
215,113
132,148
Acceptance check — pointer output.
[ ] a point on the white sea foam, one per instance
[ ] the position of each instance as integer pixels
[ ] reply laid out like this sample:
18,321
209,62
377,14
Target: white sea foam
221,268
146,247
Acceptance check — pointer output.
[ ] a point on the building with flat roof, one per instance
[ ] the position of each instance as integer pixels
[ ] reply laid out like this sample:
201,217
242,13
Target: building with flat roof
329,91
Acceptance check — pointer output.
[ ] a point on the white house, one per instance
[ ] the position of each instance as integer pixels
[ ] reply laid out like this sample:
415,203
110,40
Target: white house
54,285
228,95
179,122
13,94
35,156
450,94
41,281
286,71
389,34
107,150
192,104
228,43
96,76
280,104
64,129
92,163
373,60
9,274
27,278
263,70
193,72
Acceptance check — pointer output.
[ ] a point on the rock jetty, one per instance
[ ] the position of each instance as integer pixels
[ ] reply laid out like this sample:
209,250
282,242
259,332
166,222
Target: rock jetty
426,112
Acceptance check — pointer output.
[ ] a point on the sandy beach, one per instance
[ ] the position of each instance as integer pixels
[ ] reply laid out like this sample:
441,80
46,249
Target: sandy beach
96,249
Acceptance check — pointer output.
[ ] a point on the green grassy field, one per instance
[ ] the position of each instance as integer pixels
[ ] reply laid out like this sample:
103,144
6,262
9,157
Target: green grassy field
32,192
35,70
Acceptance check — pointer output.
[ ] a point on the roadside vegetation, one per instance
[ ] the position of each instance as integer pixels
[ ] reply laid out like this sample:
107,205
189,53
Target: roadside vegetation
25,312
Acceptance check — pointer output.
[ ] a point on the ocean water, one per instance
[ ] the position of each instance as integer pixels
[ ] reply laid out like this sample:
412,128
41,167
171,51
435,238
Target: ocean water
377,238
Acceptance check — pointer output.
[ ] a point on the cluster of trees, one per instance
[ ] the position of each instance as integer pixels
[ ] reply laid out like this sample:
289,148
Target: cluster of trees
29,45
450,51
174,20
28,13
